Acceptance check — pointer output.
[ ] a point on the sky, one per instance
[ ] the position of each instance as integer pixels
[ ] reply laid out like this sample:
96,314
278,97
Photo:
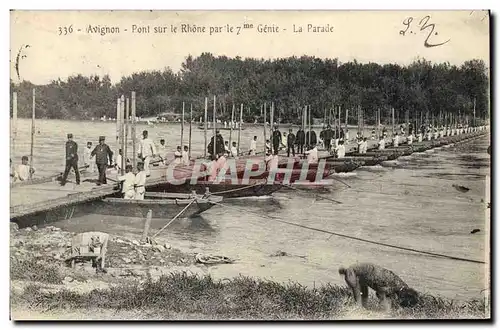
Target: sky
367,36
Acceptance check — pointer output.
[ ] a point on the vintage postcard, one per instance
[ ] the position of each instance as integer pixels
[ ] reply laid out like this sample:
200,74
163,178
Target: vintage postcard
250,165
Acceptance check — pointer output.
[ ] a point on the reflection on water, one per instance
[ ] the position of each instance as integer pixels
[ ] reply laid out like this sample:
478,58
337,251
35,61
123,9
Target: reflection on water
195,226
411,204
264,204
199,225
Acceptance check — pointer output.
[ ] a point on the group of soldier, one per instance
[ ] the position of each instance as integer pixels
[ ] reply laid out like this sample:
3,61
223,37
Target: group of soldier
101,156
302,142
306,141
334,140
100,153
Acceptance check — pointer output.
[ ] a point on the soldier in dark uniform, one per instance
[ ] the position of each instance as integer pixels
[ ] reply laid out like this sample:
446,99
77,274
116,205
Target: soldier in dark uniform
102,152
300,139
327,136
219,144
290,141
71,160
322,135
313,141
276,138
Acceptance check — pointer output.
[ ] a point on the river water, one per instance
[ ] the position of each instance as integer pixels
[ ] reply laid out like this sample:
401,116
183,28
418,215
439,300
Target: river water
409,203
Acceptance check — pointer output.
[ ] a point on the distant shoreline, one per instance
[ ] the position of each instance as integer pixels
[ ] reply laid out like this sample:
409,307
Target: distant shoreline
197,123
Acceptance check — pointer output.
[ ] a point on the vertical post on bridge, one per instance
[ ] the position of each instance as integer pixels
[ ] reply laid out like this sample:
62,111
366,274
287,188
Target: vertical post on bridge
133,133
205,128
32,134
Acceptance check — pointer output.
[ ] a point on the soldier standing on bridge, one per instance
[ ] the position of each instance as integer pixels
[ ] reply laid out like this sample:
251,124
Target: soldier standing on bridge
300,140
71,160
219,144
276,138
290,143
328,135
147,150
311,138
102,152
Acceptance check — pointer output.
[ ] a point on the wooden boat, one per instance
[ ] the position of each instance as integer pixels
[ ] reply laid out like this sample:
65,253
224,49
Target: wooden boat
163,206
295,164
342,165
390,154
374,160
254,187
407,150
402,150
443,142
360,159
420,147
345,165
302,165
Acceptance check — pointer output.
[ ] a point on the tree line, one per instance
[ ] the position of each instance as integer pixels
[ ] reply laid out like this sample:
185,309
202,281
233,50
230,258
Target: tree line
291,83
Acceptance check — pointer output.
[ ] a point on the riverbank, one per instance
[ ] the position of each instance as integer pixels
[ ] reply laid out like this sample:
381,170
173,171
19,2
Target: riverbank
163,282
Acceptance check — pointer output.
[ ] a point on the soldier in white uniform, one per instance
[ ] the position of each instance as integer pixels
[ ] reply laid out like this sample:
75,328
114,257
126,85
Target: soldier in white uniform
87,159
395,140
162,151
253,146
312,155
147,150
364,146
341,150
128,182
23,170
234,150
410,139
272,161
140,182
178,156
381,144
185,156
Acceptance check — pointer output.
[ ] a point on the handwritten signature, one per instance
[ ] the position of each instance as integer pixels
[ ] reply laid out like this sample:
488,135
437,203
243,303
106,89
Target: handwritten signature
423,24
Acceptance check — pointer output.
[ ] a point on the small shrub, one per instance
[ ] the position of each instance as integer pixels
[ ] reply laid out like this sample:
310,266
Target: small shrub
34,270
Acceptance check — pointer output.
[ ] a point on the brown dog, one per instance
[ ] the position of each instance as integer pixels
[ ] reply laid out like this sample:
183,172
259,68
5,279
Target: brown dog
385,283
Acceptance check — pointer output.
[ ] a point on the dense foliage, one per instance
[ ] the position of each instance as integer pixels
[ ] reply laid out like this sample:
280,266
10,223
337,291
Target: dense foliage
291,83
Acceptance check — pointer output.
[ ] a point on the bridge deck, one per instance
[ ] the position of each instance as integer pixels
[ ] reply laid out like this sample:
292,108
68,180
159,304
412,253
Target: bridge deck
31,198
27,199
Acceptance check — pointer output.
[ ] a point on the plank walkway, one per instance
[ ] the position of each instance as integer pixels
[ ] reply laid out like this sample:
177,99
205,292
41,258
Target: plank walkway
28,199
38,197
33,198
